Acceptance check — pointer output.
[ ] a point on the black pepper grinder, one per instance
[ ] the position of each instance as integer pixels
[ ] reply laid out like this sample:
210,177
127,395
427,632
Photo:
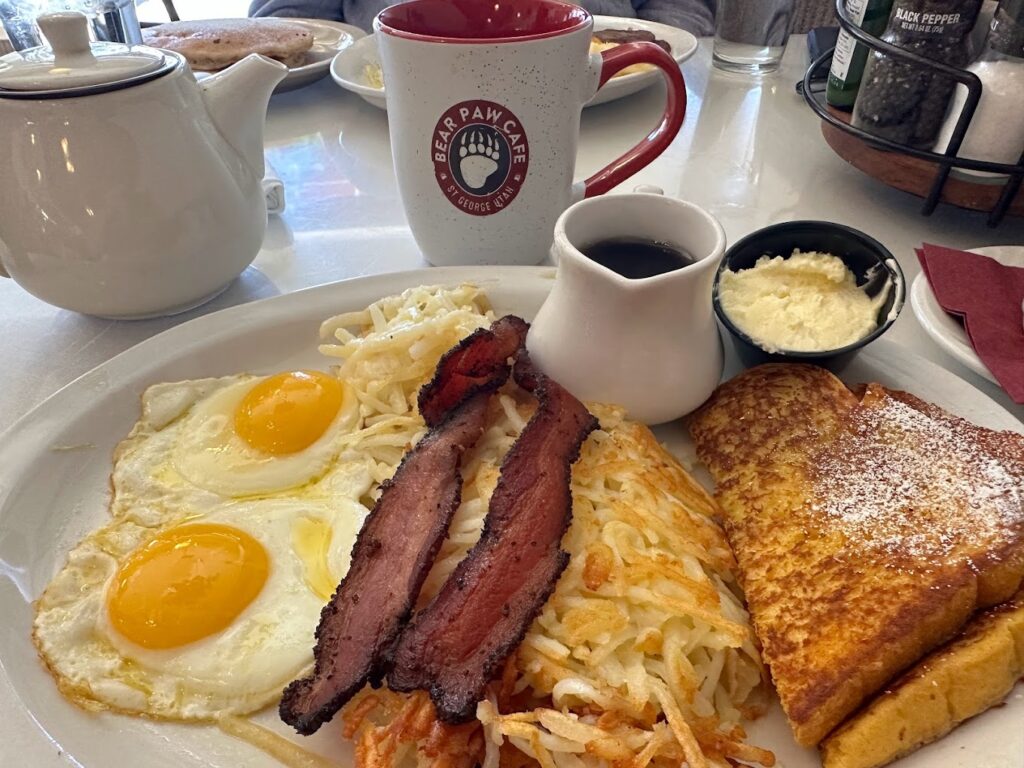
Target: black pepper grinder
902,101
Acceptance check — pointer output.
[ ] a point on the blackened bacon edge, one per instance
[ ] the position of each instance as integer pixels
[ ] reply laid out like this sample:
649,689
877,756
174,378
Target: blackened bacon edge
454,646
390,559
471,366
398,543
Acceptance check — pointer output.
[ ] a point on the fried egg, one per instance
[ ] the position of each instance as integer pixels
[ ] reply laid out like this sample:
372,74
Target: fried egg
205,441
208,617
277,433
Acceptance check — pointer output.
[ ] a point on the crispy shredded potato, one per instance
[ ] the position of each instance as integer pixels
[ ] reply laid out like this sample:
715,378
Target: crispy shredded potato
388,351
642,656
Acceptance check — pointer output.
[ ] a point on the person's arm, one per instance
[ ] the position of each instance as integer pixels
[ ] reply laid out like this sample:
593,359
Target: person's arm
303,9
361,13
623,8
695,16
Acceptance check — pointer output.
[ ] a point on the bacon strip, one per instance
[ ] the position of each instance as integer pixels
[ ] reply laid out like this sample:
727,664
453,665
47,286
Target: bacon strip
473,365
454,645
398,543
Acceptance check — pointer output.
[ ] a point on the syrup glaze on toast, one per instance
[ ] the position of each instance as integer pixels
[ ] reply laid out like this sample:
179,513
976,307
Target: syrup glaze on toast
866,530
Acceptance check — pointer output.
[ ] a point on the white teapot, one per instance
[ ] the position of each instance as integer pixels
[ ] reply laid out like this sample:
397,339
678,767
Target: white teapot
126,188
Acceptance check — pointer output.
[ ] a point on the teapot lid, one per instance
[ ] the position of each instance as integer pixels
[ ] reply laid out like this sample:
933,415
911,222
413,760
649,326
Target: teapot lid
74,66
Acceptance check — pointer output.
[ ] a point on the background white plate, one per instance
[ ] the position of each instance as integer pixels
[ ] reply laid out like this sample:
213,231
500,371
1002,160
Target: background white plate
682,43
348,68
329,38
947,331
54,467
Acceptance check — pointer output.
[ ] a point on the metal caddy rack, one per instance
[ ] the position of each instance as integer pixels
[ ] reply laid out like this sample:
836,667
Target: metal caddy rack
813,89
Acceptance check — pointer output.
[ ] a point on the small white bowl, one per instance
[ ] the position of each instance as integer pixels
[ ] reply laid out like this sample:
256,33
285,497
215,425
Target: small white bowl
349,71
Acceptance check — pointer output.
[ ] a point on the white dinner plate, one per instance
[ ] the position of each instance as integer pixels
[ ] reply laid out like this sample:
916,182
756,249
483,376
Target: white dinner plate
947,331
54,467
349,68
329,38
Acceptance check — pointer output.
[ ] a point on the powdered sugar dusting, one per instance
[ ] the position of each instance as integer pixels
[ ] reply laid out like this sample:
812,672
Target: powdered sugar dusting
902,480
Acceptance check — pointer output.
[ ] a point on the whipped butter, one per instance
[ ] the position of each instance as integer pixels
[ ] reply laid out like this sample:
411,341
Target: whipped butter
809,302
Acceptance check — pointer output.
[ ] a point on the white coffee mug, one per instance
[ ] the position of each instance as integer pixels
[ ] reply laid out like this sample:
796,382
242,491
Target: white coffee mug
484,103
651,344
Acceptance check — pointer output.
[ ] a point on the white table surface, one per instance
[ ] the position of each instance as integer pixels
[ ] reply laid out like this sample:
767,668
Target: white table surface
750,151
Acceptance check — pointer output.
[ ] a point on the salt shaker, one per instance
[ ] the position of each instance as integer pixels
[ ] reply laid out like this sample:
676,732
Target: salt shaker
996,132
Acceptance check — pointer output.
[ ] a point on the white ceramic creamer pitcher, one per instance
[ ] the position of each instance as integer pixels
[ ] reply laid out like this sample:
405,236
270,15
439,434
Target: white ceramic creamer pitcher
651,344
126,188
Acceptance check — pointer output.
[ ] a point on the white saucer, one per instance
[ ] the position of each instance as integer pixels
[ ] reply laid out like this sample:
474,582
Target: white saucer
349,71
944,329
349,67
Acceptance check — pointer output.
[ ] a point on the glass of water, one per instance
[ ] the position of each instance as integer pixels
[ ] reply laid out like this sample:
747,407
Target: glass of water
109,20
751,35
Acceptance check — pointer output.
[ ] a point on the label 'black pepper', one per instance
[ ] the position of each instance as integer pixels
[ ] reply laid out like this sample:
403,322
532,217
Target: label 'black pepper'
904,102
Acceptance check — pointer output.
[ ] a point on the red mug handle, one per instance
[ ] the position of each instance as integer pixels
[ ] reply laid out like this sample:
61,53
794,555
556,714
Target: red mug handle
614,60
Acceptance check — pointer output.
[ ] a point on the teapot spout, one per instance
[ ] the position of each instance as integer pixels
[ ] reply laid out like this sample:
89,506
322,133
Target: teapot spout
236,100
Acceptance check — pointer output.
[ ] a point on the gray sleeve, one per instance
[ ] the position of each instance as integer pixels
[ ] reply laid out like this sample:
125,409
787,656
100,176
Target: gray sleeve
303,9
695,16
361,13
622,8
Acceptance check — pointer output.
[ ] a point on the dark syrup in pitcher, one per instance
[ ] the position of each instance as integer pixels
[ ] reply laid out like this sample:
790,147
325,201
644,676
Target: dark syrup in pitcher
637,258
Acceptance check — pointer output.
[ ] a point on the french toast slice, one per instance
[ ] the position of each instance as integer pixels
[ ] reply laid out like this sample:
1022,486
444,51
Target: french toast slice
867,530
970,674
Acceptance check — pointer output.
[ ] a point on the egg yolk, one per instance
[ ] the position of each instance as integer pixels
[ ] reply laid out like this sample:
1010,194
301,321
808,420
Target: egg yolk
289,411
185,584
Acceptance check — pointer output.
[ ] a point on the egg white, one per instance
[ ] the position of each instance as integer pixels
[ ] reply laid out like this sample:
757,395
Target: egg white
209,454
169,463
146,487
238,670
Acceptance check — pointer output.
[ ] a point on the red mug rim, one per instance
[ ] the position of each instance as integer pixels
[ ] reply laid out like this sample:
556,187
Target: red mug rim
412,21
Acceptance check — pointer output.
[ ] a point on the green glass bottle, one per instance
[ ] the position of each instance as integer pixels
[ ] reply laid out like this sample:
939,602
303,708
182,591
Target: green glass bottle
848,61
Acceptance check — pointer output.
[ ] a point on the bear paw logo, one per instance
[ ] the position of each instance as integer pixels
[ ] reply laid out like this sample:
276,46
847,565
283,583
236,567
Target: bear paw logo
479,157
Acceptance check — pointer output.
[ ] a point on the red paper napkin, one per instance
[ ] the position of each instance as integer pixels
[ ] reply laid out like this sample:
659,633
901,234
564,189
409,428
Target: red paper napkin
988,296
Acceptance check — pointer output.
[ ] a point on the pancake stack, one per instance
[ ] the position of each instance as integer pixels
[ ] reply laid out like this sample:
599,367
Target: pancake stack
215,44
